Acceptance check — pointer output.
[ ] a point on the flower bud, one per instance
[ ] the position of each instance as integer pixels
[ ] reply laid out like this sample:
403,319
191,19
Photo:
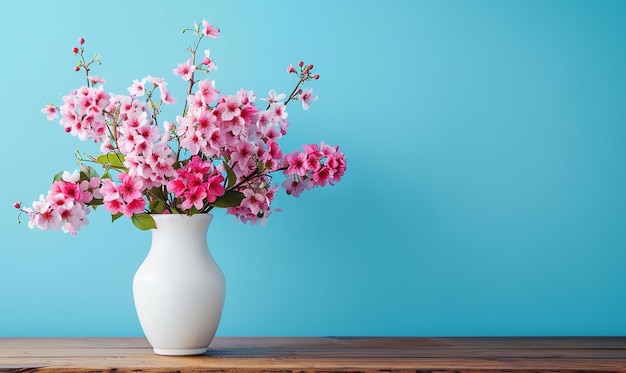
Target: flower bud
68,129
17,205
310,67
75,50
300,63
291,69
76,68
316,76
81,41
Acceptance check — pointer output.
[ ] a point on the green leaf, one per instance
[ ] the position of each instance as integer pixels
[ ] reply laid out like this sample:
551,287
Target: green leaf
157,206
58,176
116,216
87,172
143,221
111,160
231,178
231,198
96,202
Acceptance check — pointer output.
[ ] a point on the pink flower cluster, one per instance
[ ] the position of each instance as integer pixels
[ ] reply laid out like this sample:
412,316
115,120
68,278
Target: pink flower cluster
220,152
125,198
316,166
65,205
196,184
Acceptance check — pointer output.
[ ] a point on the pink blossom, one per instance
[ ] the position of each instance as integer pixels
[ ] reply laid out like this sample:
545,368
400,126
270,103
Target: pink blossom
274,97
133,207
43,215
322,175
185,70
207,61
109,191
114,206
138,88
90,189
75,218
95,79
229,108
297,164
293,187
130,189
209,30
306,97
177,187
279,110
193,198
214,187
67,190
166,96
155,81
51,111
207,92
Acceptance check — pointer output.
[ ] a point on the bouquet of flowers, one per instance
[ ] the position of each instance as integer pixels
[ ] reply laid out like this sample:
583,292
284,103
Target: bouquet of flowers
220,152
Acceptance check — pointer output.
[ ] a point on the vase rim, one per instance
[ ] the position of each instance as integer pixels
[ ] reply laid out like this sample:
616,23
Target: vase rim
206,214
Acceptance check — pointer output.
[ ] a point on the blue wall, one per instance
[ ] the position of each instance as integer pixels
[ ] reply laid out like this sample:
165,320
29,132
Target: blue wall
486,184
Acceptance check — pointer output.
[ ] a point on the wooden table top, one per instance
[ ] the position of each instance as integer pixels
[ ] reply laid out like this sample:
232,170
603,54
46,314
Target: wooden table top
317,354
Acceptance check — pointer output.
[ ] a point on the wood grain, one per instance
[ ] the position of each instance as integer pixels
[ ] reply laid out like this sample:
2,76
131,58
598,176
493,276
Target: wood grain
331,354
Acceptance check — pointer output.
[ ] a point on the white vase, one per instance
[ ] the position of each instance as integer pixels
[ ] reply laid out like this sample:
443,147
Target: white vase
179,289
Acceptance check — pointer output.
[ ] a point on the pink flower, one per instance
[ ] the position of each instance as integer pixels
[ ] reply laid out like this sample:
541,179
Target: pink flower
229,108
209,30
274,97
155,81
51,111
207,92
297,164
109,191
185,70
166,96
130,189
67,190
293,187
306,97
90,189
133,207
207,61
193,198
44,216
95,79
214,187
322,175
177,187
138,88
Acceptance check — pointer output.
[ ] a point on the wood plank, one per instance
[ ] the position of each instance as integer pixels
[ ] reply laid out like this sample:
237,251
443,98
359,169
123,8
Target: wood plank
301,354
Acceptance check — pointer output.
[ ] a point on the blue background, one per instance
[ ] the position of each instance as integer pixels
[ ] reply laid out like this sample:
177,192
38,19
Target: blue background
485,192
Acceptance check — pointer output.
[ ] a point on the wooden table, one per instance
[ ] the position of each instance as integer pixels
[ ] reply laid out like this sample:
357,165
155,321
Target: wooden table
333,354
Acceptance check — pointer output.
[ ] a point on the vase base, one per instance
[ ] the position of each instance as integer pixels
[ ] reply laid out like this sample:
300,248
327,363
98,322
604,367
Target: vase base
179,352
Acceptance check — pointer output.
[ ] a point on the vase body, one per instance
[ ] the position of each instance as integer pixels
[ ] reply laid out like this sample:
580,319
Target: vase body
179,289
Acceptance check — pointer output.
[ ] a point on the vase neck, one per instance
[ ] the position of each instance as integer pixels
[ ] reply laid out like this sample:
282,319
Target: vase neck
177,232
